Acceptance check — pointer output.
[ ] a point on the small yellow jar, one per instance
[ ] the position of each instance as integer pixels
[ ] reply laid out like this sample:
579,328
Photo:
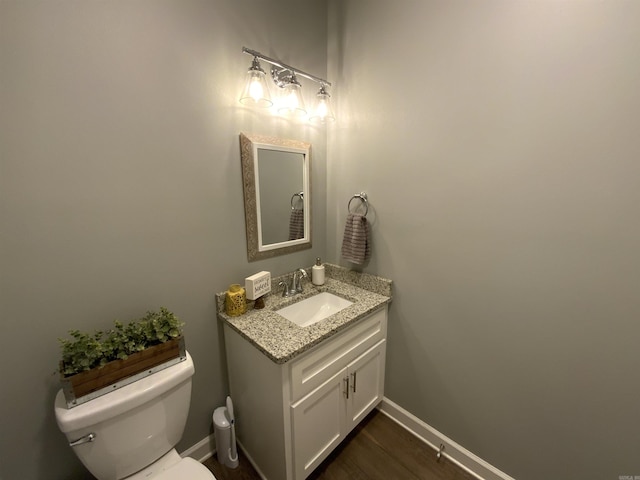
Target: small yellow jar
235,302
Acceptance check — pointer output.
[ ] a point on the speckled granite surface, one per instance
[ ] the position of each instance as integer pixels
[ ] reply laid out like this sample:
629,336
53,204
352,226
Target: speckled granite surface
281,340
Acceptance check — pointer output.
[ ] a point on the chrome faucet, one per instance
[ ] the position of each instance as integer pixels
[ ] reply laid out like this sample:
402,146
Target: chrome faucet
296,283
296,280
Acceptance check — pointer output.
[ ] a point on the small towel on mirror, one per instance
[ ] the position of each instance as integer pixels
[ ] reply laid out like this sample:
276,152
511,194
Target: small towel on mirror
296,224
356,247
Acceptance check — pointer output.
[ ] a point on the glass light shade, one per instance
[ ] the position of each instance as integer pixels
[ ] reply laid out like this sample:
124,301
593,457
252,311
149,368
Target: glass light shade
256,91
292,102
323,112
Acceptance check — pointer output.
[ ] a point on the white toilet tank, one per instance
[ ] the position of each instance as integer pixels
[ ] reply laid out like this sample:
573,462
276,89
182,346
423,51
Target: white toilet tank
133,426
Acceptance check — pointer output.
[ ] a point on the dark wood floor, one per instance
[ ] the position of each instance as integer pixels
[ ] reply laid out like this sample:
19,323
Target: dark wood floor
378,448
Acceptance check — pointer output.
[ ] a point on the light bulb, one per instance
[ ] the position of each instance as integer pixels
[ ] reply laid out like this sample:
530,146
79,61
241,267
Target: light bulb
256,92
255,89
323,112
292,102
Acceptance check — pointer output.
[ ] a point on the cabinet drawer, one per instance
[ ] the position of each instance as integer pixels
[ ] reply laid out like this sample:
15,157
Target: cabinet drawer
321,363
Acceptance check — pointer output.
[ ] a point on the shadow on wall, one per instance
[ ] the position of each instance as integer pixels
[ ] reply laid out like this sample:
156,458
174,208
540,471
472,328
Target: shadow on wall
55,454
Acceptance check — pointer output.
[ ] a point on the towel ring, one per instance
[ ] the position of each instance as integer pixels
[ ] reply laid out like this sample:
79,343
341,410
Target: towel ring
363,198
299,194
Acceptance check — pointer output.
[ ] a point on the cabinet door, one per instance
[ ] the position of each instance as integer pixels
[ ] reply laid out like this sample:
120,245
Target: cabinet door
366,384
318,424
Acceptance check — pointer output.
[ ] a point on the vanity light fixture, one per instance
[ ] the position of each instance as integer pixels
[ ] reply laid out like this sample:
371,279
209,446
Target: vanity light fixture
256,91
291,102
323,112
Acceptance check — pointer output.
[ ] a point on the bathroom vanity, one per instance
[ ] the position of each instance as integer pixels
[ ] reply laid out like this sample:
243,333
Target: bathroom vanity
299,391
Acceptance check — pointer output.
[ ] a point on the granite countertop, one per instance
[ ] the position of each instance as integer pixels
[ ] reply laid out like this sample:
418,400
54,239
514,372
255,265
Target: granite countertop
282,340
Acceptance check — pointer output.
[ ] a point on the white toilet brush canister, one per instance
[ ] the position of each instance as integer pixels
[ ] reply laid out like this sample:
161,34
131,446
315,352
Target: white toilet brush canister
225,435
233,452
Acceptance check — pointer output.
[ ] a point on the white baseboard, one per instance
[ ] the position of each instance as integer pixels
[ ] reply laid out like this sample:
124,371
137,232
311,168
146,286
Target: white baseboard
432,437
202,450
457,454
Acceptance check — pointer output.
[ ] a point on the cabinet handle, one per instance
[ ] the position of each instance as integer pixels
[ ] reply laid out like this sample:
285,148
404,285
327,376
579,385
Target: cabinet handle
345,392
353,383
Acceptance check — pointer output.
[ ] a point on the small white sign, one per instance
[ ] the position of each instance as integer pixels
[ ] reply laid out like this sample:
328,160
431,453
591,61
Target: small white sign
257,285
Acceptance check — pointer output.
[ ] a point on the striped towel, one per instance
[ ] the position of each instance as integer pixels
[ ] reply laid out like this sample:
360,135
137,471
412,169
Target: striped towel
355,244
296,224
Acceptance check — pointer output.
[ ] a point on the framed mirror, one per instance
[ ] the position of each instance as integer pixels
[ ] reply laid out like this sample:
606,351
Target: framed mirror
277,195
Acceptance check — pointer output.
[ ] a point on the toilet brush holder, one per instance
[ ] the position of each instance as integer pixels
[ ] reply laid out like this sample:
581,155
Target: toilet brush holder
222,431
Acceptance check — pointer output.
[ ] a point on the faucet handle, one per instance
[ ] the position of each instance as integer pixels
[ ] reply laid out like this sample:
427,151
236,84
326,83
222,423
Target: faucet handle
285,290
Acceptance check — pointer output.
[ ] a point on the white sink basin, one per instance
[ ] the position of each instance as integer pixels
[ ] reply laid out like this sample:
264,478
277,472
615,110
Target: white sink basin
313,309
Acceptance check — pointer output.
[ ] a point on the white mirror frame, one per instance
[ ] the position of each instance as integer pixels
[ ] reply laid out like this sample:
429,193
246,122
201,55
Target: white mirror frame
249,145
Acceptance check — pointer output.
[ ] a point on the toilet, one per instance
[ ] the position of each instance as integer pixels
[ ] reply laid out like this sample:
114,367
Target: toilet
130,433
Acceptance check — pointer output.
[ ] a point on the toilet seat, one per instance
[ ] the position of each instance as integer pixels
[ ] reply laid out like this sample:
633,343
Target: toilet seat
187,468
172,466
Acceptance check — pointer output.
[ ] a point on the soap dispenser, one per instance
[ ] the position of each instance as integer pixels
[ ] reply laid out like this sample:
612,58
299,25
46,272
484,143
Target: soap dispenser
317,273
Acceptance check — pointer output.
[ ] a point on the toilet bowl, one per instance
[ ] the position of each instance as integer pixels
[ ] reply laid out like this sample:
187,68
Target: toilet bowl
131,433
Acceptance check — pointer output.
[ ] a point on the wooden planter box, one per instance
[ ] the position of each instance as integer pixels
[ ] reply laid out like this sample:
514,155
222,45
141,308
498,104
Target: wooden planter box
85,386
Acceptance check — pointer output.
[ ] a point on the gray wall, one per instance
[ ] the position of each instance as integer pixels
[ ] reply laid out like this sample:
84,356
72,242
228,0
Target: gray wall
498,142
120,185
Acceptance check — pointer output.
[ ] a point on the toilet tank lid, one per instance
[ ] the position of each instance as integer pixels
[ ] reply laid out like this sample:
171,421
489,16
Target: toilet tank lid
122,400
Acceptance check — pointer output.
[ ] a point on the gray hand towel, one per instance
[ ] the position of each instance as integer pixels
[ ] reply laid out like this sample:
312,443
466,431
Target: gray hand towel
355,244
296,224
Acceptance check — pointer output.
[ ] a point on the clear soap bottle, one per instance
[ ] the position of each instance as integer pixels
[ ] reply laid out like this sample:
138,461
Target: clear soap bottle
317,273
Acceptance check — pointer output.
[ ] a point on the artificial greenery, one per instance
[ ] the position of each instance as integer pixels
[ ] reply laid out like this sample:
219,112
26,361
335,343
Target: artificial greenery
86,351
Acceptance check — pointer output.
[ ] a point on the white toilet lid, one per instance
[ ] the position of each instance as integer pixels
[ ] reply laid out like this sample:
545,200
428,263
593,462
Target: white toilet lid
187,468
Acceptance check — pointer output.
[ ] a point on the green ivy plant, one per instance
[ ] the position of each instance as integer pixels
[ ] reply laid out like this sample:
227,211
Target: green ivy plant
86,351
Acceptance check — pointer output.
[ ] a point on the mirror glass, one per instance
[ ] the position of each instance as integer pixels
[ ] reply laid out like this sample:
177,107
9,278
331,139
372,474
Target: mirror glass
277,200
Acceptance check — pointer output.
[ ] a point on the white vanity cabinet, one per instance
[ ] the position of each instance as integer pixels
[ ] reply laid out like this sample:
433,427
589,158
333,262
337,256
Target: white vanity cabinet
290,416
